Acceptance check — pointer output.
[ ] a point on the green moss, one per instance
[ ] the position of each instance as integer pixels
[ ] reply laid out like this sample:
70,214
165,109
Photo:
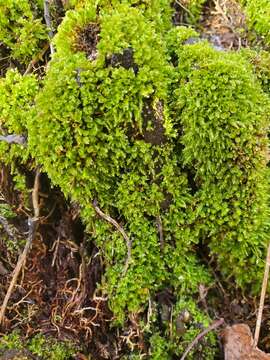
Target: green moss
258,15
194,10
46,348
17,95
180,326
97,141
167,138
223,112
6,211
21,31
260,60
11,341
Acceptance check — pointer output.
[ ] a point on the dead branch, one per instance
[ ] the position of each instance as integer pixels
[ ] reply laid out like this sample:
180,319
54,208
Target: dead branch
13,139
120,229
262,298
32,222
160,230
48,21
213,326
36,59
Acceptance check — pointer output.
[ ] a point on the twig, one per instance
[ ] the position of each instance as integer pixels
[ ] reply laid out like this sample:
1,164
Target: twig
213,326
47,18
120,229
262,298
32,222
184,8
13,139
36,59
160,230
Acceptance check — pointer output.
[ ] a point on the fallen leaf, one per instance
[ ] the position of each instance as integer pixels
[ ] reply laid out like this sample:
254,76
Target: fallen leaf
238,344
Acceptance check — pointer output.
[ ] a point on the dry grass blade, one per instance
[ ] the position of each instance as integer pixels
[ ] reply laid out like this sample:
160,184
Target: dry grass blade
262,298
212,327
120,229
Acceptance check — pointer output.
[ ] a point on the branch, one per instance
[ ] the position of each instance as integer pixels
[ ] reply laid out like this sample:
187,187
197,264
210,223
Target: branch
160,230
36,59
32,222
213,326
13,139
47,18
262,298
120,229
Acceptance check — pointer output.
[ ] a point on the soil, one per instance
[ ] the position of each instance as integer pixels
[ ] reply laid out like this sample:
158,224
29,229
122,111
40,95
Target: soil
125,59
153,129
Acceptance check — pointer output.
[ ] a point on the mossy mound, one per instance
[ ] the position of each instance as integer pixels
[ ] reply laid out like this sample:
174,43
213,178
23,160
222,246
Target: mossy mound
162,141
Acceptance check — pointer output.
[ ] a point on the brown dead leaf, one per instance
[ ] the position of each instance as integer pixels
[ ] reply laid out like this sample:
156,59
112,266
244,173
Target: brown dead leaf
238,343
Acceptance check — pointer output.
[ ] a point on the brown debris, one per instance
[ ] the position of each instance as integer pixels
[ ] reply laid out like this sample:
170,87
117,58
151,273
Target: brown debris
87,39
16,355
224,24
238,344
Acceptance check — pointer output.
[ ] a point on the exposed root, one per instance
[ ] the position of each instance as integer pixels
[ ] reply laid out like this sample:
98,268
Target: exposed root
120,229
33,223
212,327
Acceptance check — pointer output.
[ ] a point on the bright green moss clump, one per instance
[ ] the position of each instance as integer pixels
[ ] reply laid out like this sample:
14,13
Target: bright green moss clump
17,95
222,111
46,348
177,154
21,30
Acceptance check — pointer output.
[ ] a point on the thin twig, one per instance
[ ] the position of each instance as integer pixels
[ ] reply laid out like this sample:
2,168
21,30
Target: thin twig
213,326
36,59
48,21
13,139
32,222
160,230
120,229
184,8
262,298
